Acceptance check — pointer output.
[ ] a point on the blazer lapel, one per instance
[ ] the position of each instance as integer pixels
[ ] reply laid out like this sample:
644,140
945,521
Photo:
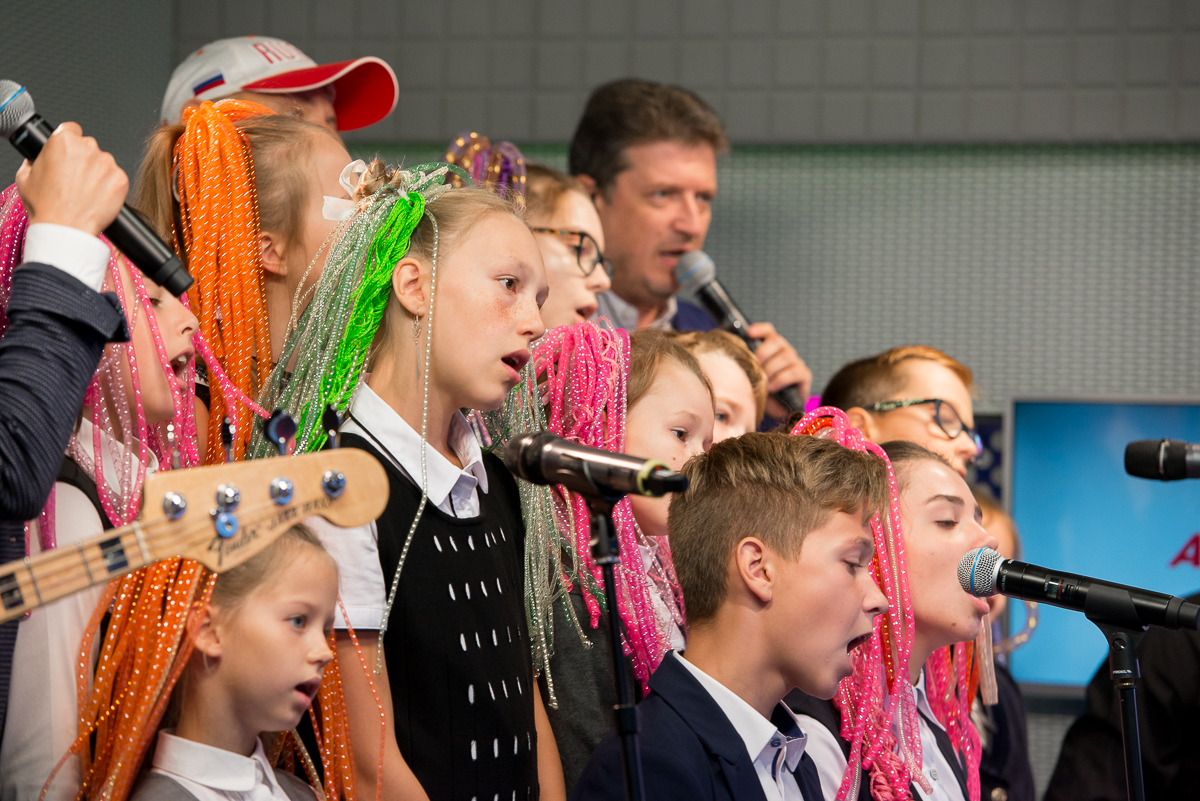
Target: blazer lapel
679,690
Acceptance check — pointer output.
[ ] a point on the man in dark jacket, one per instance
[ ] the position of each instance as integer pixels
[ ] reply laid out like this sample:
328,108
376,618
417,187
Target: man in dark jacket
58,324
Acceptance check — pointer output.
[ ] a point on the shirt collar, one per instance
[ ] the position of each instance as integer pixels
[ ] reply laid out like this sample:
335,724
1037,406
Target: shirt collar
763,738
403,443
213,767
625,314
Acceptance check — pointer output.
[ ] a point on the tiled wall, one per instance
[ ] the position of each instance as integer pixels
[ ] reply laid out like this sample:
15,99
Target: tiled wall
777,70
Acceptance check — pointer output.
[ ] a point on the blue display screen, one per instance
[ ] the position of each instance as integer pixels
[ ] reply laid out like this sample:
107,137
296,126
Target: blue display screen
1078,511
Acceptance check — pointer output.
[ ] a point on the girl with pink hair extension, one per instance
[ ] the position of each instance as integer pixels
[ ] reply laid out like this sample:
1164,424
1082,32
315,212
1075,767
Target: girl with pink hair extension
137,417
586,372
886,712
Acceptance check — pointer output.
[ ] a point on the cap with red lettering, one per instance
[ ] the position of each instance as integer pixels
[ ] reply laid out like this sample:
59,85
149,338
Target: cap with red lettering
365,89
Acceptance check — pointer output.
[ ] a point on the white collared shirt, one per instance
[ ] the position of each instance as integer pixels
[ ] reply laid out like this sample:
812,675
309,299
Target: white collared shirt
625,315
214,774
825,750
453,490
76,253
775,756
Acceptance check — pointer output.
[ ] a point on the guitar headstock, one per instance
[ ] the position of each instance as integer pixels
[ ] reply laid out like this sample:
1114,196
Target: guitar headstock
346,486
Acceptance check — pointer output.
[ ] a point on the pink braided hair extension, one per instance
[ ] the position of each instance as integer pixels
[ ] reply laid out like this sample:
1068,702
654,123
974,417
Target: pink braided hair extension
869,698
951,679
586,372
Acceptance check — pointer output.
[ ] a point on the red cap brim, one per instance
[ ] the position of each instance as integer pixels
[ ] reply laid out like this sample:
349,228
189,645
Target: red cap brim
366,89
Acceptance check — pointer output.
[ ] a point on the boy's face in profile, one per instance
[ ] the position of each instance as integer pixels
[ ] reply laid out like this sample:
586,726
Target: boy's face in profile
823,604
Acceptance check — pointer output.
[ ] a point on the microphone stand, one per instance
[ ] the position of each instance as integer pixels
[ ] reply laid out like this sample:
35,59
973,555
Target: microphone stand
1112,610
607,553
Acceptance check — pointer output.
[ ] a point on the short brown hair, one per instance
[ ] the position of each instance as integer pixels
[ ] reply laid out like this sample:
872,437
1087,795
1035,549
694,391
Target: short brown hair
901,453
633,112
544,188
648,349
868,381
773,486
723,342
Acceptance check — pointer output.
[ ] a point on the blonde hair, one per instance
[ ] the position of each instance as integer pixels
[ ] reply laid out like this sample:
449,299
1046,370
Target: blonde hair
772,486
648,350
725,343
457,212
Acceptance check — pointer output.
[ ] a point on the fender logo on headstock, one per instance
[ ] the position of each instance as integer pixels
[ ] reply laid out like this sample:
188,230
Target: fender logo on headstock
250,534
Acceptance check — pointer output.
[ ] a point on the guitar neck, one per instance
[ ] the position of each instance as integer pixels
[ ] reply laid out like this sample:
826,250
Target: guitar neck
48,576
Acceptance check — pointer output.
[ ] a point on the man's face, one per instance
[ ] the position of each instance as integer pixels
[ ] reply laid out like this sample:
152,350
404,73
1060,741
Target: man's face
656,210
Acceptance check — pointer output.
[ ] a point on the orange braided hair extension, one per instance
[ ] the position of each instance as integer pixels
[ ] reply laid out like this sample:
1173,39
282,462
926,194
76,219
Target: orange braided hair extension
154,613
218,212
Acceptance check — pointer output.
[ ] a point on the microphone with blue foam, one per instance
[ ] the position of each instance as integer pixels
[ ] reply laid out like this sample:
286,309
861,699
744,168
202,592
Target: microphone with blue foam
983,572
129,232
697,275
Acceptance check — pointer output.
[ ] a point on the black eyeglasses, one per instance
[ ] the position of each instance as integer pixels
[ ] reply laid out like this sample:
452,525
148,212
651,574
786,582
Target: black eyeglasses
587,250
944,414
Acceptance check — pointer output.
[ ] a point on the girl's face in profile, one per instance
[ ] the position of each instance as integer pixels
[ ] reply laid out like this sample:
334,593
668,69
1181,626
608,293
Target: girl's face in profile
176,325
272,648
490,288
572,297
672,422
941,523
733,397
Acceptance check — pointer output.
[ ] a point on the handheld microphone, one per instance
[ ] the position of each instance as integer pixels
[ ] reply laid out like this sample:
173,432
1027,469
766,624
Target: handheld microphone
28,131
1163,459
983,572
547,458
697,275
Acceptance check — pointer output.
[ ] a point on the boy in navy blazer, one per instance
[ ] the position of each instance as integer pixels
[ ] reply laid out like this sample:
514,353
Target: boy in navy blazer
772,547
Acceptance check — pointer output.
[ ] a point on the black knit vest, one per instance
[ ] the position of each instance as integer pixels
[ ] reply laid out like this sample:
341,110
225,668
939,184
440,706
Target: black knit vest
457,644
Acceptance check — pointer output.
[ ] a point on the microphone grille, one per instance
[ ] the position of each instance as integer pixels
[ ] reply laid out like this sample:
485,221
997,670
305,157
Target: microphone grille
16,106
693,270
977,572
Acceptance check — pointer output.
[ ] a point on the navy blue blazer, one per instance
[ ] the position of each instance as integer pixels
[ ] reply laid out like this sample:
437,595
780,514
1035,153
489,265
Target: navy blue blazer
690,750
57,329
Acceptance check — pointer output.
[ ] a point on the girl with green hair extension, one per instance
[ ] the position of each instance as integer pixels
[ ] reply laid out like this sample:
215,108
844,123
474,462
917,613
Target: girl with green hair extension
428,304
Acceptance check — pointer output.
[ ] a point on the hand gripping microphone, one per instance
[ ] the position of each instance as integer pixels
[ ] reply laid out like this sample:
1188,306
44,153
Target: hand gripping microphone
1163,459
28,131
547,458
697,275
983,572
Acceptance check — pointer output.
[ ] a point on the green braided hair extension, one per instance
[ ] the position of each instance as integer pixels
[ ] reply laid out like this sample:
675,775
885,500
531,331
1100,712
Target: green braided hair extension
330,344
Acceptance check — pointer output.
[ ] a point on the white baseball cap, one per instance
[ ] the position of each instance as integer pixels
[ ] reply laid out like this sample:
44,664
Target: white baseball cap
365,89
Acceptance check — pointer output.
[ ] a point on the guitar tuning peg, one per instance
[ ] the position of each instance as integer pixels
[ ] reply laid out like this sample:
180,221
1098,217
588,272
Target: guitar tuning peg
330,423
227,438
279,428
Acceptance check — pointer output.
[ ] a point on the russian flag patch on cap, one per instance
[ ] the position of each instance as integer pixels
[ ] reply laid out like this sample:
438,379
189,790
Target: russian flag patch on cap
211,83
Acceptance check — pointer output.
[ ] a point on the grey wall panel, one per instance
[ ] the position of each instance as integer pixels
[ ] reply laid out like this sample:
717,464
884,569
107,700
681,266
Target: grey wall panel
102,64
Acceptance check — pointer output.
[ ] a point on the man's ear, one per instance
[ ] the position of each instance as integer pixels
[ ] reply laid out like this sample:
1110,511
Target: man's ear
208,637
589,186
860,418
408,282
755,568
272,254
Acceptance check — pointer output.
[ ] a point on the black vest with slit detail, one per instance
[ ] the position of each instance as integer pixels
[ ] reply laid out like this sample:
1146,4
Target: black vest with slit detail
457,644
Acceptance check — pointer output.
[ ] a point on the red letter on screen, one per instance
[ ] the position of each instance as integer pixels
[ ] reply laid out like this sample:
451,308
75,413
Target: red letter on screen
1190,552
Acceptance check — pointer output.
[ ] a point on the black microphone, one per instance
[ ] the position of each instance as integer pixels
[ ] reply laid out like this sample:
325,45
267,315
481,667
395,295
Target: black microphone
697,275
1163,459
983,572
28,131
547,458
